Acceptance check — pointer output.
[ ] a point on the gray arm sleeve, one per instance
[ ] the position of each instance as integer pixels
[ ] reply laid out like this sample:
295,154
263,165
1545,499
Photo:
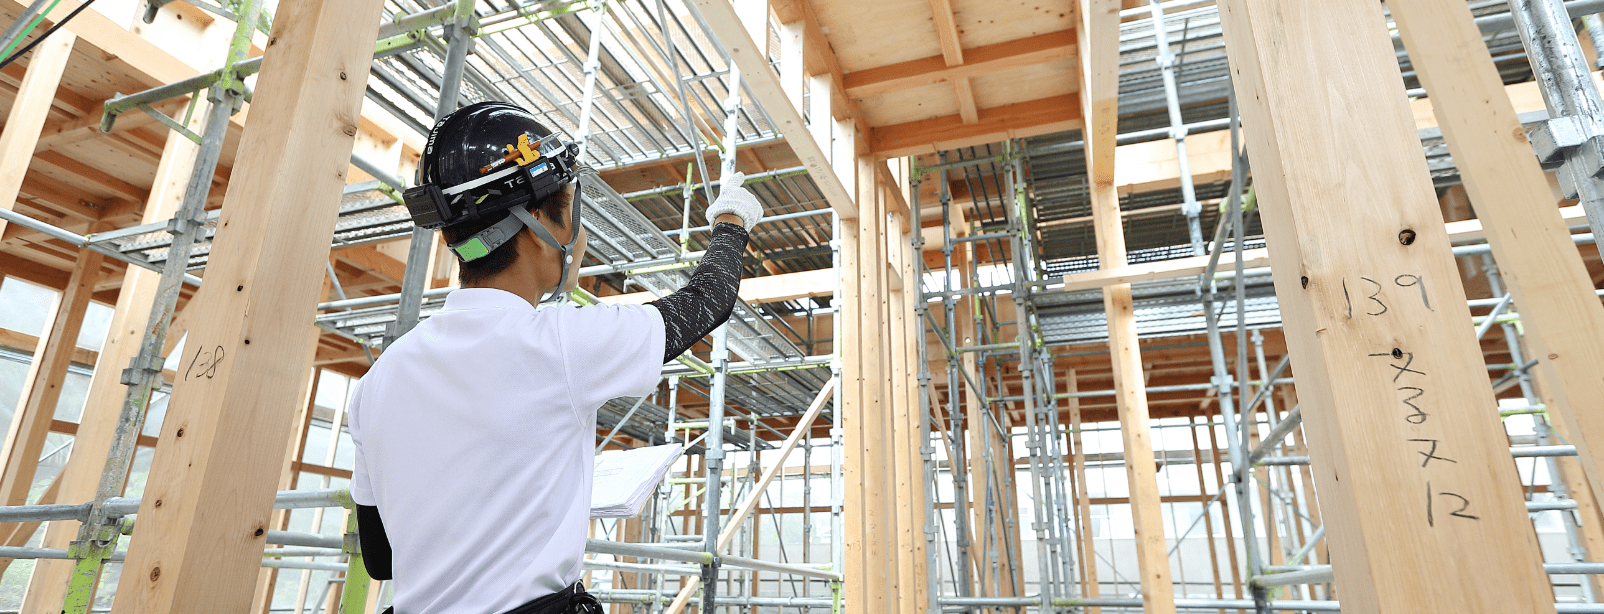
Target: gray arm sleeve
706,301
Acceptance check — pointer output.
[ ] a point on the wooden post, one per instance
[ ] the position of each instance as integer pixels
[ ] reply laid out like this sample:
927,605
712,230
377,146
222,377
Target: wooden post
1208,516
267,578
792,75
918,440
1421,502
28,112
1088,547
629,531
908,492
36,406
102,404
208,500
1564,321
1267,504
856,587
878,525
1100,98
1225,512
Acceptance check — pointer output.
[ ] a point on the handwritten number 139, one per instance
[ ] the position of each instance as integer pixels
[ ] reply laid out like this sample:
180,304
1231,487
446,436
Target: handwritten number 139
1372,303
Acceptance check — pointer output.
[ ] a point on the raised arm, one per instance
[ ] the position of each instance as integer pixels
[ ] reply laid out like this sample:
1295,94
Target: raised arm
706,301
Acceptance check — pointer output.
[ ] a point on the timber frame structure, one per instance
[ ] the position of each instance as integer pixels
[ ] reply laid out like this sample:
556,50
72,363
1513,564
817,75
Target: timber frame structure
1011,246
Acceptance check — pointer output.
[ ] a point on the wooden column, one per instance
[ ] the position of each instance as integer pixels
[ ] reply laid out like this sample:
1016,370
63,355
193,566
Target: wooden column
908,496
850,345
918,439
1225,509
1421,501
1100,98
267,578
972,406
879,524
103,403
1208,514
209,497
28,112
36,406
1563,318
1088,547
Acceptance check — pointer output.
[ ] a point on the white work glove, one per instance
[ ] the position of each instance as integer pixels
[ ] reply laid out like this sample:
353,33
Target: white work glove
732,198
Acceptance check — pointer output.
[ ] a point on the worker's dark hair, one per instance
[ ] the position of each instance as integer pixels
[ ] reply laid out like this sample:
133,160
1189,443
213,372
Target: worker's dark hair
478,271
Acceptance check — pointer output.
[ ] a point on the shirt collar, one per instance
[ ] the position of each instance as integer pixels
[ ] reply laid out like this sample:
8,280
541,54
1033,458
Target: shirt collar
464,299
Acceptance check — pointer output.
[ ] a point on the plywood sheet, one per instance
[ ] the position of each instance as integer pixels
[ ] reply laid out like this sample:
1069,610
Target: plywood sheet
1024,83
869,34
986,22
908,105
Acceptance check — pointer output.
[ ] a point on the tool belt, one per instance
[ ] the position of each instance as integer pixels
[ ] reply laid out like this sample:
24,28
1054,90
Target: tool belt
571,600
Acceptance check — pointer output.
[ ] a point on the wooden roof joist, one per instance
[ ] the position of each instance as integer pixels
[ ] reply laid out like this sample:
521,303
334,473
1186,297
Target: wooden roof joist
977,61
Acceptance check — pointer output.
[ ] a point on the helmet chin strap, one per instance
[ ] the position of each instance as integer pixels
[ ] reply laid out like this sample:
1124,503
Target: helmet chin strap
565,250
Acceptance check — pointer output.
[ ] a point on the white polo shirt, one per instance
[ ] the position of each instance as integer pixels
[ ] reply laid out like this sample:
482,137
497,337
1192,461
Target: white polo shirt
475,436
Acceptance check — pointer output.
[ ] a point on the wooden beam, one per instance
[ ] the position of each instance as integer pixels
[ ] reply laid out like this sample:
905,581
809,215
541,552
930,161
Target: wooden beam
1530,239
222,441
1164,269
765,85
1393,502
946,32
97,176
1022,119
87,126
952,54
28,112
37,404
966,101
1099,95
977,61
103,403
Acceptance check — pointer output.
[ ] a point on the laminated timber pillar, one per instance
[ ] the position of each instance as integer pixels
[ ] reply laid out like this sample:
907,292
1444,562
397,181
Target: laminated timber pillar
28,112
36,406
905,431
1563,318
96,428
871,564
1099,45
1083,506
1420,498
209,496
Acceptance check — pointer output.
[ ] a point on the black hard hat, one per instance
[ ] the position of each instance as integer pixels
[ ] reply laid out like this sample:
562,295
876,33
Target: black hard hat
484,158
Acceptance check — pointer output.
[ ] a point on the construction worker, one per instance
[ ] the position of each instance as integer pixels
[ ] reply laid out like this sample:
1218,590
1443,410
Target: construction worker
475,432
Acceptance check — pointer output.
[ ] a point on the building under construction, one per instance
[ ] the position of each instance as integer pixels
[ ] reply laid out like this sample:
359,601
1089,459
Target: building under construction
1058,306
